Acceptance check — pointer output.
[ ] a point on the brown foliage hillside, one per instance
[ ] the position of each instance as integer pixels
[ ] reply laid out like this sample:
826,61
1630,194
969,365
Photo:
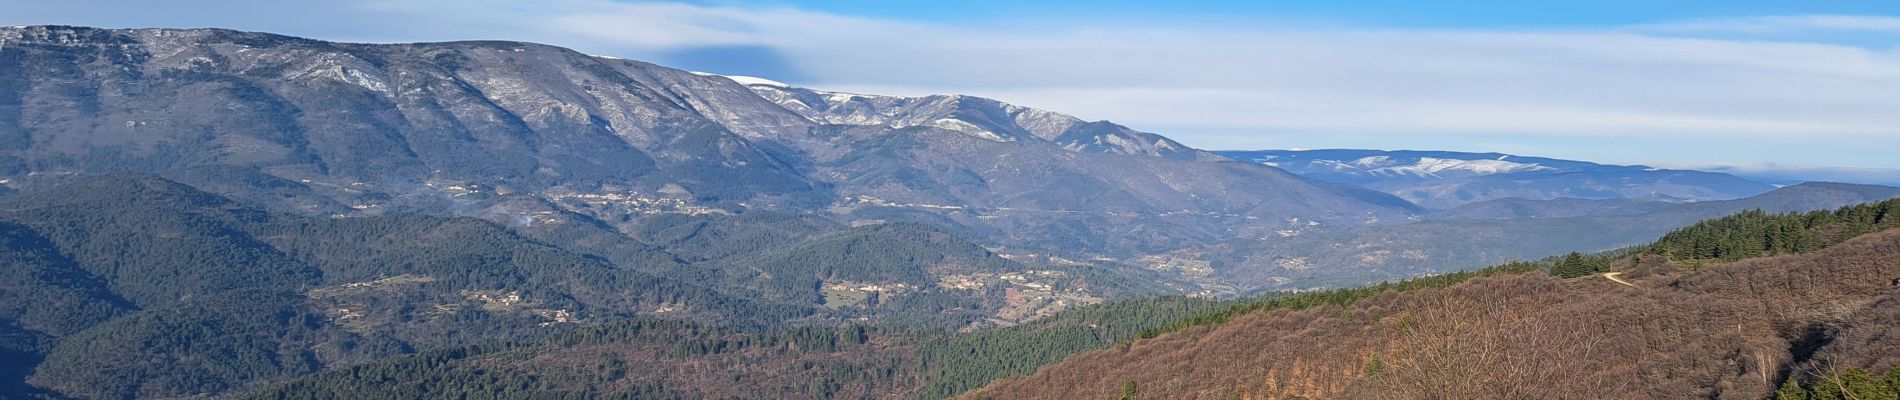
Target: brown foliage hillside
1722,331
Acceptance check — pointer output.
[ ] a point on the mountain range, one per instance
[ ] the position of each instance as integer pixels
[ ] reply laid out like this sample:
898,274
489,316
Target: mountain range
451,127
1446,179
563,145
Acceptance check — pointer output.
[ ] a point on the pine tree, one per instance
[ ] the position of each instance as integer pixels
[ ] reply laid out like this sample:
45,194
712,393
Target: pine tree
1374,367
1890,383
1825,389
1859,384
1571,266
1791,391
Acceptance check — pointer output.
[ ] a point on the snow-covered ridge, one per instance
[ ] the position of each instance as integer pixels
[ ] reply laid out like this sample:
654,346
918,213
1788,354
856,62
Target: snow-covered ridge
1372,162
938,111
1435,166
1428,166
967,128
746,80
982,118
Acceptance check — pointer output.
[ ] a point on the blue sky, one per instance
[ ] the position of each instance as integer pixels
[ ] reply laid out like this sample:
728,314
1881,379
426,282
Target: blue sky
1386,14
1750,85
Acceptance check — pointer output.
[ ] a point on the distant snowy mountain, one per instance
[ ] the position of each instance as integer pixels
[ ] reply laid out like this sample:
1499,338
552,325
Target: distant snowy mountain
1428,167
1445,179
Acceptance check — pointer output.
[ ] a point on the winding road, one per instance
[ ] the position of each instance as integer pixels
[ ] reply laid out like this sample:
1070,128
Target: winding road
1612,277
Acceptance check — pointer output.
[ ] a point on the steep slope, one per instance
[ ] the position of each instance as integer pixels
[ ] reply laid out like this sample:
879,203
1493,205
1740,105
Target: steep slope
1038,195
1340,258
49,293
379,117
1678,329
459,128
1027,175
46,296
1445,179
210,344
154,242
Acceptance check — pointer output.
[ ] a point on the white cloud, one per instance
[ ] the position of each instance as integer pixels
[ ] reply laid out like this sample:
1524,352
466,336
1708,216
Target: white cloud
1780,24
1553,83
1607,84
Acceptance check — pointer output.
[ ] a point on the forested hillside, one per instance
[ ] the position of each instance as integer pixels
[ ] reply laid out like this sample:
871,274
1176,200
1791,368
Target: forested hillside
660,359
133,286
1758,233
1156,343
1735,322
636,359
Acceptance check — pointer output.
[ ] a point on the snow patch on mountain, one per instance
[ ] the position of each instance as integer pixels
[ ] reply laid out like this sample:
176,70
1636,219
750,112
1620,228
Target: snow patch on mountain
967,128
1434,166
1372,162
741,79
753,80
1429,166
1337,166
